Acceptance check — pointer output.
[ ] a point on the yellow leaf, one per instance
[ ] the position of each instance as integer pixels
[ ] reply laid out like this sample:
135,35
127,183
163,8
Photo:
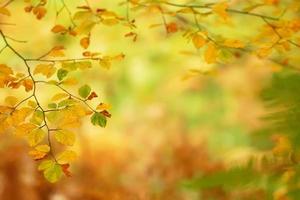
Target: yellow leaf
118,57
103,106
39,152
19,116
264,52
5,70
24,129
108,14
5,109
11,101
70,81
186,10
211,53
85,27
220,9
66,157
43,148
155,25
65,137
45,164
69,119
110,22
80,110
234,43
198,41
60,96
52,170
4,11
20,75
105,63
36,155
35,137
32,104
45,69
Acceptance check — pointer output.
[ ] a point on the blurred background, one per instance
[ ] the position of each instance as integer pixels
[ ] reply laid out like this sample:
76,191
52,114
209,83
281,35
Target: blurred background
168,125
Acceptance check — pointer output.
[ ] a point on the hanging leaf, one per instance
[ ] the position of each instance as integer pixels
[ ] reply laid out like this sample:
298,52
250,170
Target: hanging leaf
85,42
84,91
172,27
66,157
92,95
57,51
35,137
59,29
211,53
39,151
45,69
53,172
61,74
98,119
65,137
28,84
198,41
221,9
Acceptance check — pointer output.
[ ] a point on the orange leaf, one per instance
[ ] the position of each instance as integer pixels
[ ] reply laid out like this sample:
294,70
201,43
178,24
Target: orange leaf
65,169
28,84
105,113
211,54
172,27
85,42
39,12
92,95
57,51
198,41
59,29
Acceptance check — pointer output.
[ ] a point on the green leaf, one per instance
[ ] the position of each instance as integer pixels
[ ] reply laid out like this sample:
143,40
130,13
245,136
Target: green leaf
66,102
52,172
98,119
84,65
69,66
84,91
61,74
72,66
52,105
